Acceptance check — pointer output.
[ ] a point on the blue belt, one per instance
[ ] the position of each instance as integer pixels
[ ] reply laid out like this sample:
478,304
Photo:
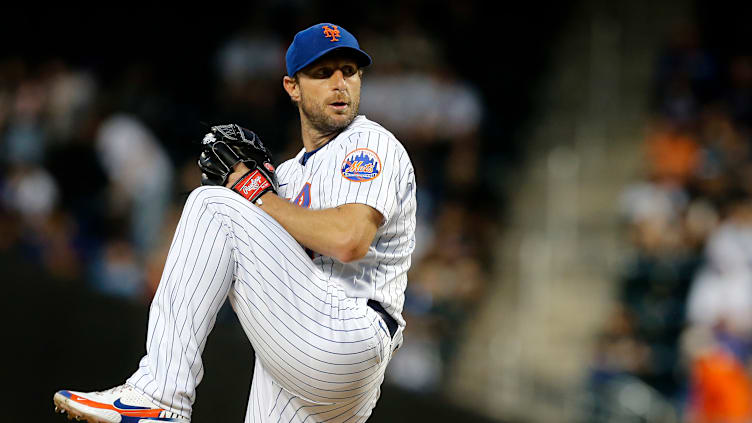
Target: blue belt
391,324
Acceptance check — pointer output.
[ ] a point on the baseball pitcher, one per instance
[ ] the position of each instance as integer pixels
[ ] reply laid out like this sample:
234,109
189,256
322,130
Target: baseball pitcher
313,257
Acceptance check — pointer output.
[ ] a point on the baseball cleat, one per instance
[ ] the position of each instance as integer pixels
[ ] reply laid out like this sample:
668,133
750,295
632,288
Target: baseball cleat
121,404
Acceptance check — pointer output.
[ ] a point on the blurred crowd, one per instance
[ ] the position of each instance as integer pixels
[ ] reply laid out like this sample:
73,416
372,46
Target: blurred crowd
96,167
683,322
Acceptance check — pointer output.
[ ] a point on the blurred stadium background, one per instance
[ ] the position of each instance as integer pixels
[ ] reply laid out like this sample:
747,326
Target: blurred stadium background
585,183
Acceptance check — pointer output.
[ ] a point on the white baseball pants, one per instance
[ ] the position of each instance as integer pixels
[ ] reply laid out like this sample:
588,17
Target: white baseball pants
320,356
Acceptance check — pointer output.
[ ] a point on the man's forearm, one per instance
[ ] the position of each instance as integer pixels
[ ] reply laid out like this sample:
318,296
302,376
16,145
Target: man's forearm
343,232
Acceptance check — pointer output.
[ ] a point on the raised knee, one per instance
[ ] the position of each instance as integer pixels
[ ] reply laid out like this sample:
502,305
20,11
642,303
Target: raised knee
214,196
206,192
203,195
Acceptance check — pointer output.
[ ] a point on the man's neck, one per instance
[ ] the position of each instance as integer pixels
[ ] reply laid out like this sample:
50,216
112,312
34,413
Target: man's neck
313,139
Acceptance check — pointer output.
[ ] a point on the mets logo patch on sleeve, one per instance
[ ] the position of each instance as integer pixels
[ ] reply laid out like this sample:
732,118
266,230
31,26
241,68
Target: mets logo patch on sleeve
361,165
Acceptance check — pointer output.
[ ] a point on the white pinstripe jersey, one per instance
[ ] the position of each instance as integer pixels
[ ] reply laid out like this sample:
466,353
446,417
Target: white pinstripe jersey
364,164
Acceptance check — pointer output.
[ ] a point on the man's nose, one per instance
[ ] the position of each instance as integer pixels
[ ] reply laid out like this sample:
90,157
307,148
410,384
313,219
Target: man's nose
338,80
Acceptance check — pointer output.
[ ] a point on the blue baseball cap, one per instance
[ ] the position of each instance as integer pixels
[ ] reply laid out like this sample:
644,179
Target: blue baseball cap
312,43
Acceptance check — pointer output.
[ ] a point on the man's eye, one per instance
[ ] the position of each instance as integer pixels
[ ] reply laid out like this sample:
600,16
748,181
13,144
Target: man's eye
348,71
323,73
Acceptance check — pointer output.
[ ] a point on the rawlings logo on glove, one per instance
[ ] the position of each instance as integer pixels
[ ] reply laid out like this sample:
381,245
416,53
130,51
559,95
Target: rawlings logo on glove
251,185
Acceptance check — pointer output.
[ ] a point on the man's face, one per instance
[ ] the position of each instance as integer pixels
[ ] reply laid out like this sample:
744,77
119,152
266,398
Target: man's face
330,93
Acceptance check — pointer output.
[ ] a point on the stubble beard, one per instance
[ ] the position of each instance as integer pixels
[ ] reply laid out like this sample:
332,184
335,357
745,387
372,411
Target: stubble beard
318,117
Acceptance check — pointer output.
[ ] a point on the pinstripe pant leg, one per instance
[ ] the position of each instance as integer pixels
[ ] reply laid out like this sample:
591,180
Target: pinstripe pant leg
270,402
313,341
197,276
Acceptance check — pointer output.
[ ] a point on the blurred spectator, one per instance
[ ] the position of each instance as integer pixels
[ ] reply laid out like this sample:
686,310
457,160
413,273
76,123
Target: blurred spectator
719,312
422,107
418,366
720,388
672,153
445,284
618,350
413,92
71,99
648,201
690,224
31,192
721,292
140,173
724,148
24,136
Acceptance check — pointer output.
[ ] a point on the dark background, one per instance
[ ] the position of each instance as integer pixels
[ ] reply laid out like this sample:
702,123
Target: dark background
502,49
158,63
63,335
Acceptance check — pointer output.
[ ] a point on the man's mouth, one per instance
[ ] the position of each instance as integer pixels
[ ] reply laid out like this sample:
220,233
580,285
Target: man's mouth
338,105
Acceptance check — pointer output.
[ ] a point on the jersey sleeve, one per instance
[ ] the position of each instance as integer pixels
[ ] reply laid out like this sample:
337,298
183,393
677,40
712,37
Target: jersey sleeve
367,171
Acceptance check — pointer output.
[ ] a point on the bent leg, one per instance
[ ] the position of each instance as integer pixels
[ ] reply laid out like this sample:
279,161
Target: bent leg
270,402
311,339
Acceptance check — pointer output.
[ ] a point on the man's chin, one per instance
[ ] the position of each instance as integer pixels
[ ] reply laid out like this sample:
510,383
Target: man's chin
330,121
341,120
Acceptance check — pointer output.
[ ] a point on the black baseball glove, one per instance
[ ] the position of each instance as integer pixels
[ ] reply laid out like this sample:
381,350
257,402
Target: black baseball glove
227,145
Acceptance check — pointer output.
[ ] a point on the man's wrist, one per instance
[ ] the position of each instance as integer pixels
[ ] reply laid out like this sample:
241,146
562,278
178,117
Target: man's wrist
233,177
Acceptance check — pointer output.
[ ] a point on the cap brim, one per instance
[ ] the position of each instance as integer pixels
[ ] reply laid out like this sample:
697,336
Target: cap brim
361,57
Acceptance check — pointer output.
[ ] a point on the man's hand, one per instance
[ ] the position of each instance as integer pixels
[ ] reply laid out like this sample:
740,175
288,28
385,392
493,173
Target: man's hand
238,171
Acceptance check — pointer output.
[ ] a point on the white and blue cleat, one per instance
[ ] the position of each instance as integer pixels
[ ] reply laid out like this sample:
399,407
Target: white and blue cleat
121,404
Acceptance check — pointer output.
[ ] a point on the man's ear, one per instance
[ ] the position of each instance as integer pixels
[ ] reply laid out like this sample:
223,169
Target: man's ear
293,89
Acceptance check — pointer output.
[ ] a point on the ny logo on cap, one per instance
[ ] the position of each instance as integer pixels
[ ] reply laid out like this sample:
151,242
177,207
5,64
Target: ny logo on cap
332,34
